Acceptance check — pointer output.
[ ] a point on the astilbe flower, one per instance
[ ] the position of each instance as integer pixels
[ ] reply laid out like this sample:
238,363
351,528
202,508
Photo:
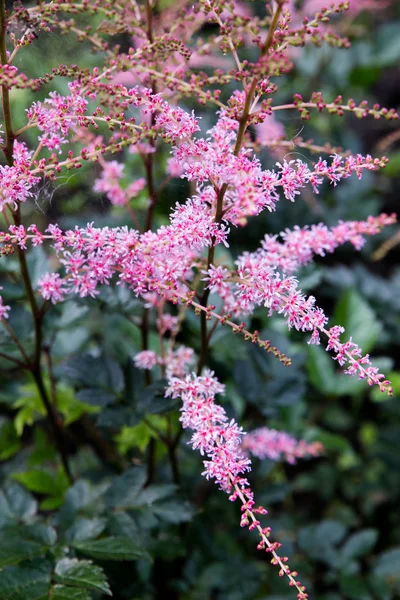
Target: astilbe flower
57,115
213,163
278,445
300,245
16,181
220,440
109,184
174,362
163,260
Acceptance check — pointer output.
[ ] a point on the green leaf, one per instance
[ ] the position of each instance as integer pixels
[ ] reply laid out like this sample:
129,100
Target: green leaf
354,588
16,504
125,488
138,436
359,544
112,548
174,511
388,564
321,369
9,442
40,482
152,493
84,529
28,582
31,405
15,548
96,397
322,372
153,400
319,541
359,320
121,524
70,406
86,370
333,441
62,592
393,167
82,574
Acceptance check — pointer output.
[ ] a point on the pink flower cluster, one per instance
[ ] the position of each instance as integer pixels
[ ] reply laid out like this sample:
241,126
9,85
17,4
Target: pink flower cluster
300,245
58,114
16,181
220,441
155,262
278,445
109,183
213,163
175,362
216,437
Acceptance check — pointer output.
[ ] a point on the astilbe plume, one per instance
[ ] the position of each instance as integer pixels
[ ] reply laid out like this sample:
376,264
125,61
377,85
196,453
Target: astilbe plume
220,441
130,102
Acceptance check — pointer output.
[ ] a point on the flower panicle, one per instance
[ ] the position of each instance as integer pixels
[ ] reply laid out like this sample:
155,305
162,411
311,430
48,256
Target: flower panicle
220,441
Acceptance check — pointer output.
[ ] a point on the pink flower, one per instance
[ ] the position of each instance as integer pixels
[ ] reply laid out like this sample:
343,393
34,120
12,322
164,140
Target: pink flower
278,445
109,184
52,287
146,359
213,434
16,182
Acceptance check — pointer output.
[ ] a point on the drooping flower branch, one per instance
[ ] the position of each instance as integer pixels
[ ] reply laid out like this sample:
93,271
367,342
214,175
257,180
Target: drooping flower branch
219,440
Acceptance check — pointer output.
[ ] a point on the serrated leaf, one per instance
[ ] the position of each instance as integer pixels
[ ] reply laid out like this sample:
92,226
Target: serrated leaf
85,370
320,369
125,488
322,373
44,535
28,582
319,541
112,548
82,369
63,592
82,574
14,548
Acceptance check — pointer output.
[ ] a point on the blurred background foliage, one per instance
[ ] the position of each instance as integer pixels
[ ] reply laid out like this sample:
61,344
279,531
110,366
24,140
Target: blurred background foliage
337,516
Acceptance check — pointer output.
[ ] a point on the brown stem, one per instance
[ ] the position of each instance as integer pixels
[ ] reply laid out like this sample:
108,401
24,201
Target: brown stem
16,341
19,363
5,96
101,446
37,316
53,420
